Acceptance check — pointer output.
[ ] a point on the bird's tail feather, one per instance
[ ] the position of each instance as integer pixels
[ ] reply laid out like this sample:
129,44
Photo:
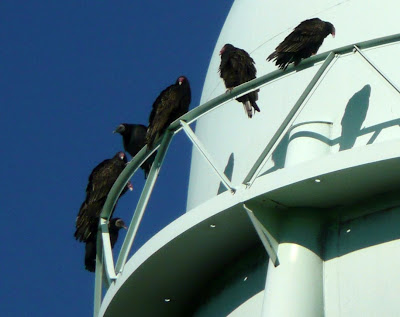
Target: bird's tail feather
272,56
248,108
255,106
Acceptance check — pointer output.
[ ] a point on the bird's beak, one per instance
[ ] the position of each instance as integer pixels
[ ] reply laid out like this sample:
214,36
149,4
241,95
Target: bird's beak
119,129
125,227
180,83
333,33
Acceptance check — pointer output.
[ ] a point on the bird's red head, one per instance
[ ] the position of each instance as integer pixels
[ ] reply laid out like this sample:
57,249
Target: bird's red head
333,32
181,80
223,49
121,155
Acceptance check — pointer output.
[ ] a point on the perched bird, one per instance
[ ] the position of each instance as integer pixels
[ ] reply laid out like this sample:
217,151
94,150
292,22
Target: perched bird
100,182
114,226
134,138
236,68
303,42
172,103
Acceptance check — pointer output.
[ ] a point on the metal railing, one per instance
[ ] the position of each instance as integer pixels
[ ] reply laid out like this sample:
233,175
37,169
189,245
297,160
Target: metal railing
104,257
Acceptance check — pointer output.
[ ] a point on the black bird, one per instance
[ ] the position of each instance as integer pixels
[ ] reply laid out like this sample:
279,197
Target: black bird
134,138
236,68
114,226
172,103
303,42
100,182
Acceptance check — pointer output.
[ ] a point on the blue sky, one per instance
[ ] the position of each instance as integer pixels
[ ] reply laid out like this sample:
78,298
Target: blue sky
71,72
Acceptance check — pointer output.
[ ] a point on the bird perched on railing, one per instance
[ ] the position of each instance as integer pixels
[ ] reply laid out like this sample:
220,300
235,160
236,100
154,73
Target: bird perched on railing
134,138
172,103
99,185
114,226
304,41
236,68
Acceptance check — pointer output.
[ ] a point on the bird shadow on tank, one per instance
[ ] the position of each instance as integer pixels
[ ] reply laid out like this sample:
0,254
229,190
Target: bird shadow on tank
228,171
353,118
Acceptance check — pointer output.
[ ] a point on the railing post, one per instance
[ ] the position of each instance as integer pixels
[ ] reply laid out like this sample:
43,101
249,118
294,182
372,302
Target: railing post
143,200
107,251
98,282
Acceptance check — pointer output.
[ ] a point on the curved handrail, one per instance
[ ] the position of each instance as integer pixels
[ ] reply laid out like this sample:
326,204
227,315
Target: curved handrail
174,128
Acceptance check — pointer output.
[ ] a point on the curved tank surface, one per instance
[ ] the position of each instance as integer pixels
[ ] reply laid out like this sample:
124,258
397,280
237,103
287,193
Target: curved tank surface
315,231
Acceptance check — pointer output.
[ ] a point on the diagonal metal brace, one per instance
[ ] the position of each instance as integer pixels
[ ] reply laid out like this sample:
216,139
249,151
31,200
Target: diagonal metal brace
269,242
197,143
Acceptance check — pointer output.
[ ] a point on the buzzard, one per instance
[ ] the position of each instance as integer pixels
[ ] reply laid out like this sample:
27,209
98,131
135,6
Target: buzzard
114,226
133,139
100,182
236,68
303,42
172,103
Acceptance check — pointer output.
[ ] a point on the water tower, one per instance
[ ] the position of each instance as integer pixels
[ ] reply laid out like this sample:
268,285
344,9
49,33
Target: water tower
294,212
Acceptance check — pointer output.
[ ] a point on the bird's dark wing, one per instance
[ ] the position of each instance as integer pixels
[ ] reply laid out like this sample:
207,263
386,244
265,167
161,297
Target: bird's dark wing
100,182
167,103
237,67
307,33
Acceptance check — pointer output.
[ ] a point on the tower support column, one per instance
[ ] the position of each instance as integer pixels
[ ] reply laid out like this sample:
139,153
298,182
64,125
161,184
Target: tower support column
295,287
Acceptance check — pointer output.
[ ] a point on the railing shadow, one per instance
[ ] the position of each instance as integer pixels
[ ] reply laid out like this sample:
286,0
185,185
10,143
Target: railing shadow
354,116
228,171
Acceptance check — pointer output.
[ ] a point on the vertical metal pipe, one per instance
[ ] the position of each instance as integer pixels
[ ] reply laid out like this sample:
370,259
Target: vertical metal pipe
284,127
98,282
197,143
143,200
107,251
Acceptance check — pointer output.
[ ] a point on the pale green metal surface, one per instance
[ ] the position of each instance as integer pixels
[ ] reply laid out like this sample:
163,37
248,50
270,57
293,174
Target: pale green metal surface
194,115
197,143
